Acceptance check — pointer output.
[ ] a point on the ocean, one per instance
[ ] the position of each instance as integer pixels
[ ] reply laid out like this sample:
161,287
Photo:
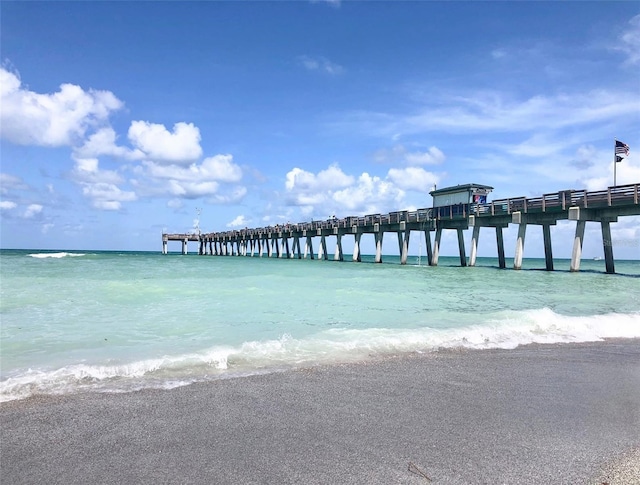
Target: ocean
106,321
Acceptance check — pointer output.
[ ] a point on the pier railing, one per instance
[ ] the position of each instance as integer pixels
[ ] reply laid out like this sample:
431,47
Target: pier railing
417,216
622,195
562,200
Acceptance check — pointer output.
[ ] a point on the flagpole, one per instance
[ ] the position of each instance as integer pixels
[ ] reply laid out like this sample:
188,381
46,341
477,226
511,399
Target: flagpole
621,148
615,162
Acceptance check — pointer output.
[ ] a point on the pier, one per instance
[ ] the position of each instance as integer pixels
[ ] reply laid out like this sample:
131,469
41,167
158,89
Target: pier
458,208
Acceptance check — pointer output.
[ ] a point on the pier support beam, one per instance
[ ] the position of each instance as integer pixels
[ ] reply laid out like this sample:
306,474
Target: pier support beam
296,246
403,241
322,252
608,246
278,247
517,259
285,244
165,247
502,264
427,240
309,245
474,245
548,253
184,246
576,254
378,237
337,255
463,254
270,248
436,247
356,248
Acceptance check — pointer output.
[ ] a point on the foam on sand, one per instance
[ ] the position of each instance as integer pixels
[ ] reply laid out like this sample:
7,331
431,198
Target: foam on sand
502,330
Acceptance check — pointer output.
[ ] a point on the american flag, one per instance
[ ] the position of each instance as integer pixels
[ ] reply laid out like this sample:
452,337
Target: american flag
622,148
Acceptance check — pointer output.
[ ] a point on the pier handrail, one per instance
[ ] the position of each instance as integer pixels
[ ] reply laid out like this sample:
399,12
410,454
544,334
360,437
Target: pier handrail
551,202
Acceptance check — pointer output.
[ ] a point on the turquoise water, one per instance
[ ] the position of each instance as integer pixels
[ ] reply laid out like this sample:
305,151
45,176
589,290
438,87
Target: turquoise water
116,321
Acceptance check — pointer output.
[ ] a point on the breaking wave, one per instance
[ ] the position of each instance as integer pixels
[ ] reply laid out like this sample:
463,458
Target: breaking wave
56,255
503,330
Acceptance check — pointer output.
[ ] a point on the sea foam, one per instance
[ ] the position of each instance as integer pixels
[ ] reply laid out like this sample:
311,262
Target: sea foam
56,255
502,330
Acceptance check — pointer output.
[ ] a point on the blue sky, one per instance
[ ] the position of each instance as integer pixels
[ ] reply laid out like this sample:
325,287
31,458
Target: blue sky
120,119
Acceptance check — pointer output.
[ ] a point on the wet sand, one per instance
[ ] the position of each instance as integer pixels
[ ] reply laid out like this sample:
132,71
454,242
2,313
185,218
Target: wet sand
551,414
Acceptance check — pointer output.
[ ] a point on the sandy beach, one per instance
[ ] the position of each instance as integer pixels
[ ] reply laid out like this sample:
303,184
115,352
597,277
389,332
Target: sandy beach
538,414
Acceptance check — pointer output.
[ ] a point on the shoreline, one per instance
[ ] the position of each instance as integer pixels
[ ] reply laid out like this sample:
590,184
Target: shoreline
541,413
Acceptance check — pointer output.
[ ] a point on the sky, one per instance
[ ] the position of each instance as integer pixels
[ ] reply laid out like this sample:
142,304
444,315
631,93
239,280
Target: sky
123,120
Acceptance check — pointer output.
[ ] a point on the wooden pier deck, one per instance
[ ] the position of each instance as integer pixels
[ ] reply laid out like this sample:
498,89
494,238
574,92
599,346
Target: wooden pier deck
604,206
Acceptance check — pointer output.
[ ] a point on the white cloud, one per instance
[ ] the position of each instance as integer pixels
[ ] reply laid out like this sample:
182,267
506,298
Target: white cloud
399,154
240,221
11,182
491,111
32,210
222,168
332,191
197,180
236,194
431,157
629,41
333,3
320,64
182,146
494,112
498,53
7,205
331,178
103,142
369,195
100,186
413,178
106,196
538,145
58,119
87,170
175,203
191,190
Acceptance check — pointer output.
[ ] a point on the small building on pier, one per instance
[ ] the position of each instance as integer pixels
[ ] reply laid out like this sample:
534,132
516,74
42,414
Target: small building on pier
457,200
